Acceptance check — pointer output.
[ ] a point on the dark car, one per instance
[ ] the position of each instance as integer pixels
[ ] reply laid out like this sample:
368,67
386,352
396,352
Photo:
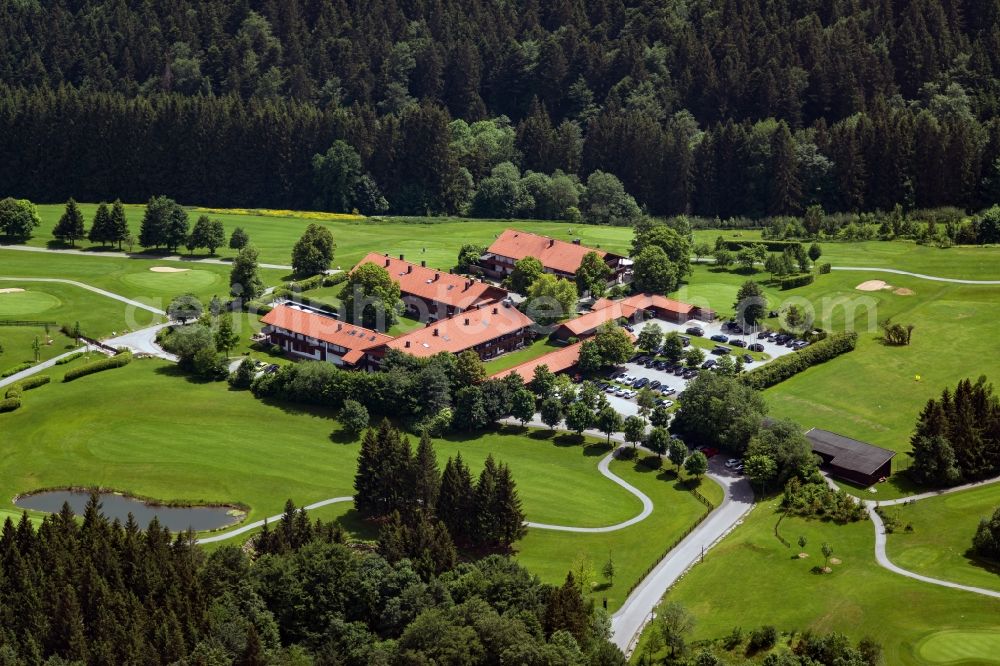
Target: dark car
655,384
679,370
635,358
781,339
737,342
747,358
271,369
710,363
650,363
690,374
695,330
719,337
763,334
720,351
757,347
661,365
641,383
685,341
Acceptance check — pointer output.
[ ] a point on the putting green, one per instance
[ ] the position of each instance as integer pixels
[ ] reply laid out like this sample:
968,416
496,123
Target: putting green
173,283
960,646
20,303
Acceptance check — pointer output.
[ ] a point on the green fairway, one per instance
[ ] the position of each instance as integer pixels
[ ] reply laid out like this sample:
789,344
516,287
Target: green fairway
178,440
27,302
97,315
752,579
873,393
126,277
961,647
943,528
434,240
634,549
188,280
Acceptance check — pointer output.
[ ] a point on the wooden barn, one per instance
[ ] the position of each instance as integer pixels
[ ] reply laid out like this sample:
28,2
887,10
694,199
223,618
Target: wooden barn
849,459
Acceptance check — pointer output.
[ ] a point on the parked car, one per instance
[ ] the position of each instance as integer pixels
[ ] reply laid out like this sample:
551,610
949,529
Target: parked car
710,363
720,351
635,358
661,365
690,374
640,383
763,335
650,363
271,369
747,358
679,370
620,392
655,384
732,462
668,390
719,337
738,342
611,389
685,341
695,330
756,347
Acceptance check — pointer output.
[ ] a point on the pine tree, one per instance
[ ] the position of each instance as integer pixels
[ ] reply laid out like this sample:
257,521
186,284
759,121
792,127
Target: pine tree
244,281
566,610
70,226
366,477
101,230
456,501
509,514
118,230
426,475
487,525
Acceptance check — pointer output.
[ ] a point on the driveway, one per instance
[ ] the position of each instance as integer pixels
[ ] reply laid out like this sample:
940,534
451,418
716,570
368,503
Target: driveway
143,341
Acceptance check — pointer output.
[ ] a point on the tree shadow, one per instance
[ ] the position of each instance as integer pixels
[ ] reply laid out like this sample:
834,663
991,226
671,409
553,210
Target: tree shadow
343,436
542,434
597,449
568,440
355,524
981,562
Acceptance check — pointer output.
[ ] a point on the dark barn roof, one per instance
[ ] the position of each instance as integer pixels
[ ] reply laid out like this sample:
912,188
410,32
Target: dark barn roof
848,453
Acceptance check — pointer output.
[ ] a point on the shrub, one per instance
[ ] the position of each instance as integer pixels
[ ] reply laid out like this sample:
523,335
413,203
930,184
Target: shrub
9,404
796,281
14,391
72,357
825,268
733,638
16,369
98,366
784,367
815,499
242,377
317,281
771,245
354,416
34,382
762,638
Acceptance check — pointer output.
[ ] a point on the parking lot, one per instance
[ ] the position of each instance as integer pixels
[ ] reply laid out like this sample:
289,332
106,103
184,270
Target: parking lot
671,384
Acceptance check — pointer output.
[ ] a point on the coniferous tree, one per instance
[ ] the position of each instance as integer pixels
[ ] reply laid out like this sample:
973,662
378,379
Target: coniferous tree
70,226
119,223
457,500
426,475
101,229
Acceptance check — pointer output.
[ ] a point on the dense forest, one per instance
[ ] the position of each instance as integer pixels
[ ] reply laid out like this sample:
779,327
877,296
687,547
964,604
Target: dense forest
97,592
711,107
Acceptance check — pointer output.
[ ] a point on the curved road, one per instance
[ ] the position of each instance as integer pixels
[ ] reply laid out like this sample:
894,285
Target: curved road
921,276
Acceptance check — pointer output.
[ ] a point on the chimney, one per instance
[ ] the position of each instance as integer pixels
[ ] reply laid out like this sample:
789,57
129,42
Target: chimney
466,322
576,241
387,261
340,327
409,269
407,344
496,310
552,241
401,258
436,277
468,283
423,263
437,331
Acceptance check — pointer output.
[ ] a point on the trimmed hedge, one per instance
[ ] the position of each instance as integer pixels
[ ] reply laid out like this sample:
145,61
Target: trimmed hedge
70,358
16,369
15,390
317,281
771,245
784,367
825,268
104,364
796,281
9,405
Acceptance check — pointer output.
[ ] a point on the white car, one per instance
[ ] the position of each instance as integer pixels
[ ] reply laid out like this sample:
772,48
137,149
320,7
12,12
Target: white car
732,462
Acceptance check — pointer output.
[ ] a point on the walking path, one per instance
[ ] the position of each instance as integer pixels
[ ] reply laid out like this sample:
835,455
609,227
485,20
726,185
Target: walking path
44,365
260,523
881,536
136,255
143,341
915,275
96,290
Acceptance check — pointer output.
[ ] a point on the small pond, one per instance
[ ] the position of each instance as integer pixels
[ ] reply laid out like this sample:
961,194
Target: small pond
176,518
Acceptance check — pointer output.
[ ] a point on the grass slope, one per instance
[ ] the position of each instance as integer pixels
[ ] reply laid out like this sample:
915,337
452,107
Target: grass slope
943,528
751,579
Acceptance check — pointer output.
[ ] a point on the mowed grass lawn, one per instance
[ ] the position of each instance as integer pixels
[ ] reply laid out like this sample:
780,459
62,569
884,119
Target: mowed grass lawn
943,528
63,304
530,352
873,393
146,430
131,278
435,240
751,579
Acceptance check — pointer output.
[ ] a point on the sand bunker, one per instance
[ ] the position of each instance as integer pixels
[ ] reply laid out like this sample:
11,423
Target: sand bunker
903,291
871,285
11,290
168,269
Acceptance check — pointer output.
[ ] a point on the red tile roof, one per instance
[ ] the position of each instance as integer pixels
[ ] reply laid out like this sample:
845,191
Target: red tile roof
329,330
557,361
656,302
586,323
433,285
463,331
554,254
